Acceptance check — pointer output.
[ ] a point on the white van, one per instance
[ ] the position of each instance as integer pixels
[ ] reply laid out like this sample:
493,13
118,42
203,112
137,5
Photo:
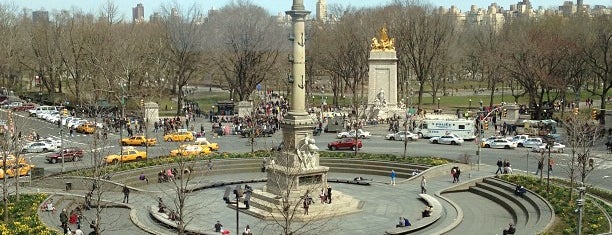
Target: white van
42,110
436,128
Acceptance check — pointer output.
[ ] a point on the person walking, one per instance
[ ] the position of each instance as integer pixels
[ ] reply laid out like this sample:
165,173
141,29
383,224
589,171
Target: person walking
540,166
64,220
329,194
423,185
550,165
393,175
306,205
218,227
500,164
126,194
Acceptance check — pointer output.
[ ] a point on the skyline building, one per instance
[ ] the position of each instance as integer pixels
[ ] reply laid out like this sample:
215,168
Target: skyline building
138,13
322,10
40,16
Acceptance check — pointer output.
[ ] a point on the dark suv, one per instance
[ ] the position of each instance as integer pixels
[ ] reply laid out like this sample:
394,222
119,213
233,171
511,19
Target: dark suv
70,155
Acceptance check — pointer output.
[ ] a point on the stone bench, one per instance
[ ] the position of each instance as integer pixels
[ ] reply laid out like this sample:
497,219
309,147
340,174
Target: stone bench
164,219
435,215
342,181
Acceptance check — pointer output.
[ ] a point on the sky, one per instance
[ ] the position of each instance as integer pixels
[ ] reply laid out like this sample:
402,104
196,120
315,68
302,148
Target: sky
273,6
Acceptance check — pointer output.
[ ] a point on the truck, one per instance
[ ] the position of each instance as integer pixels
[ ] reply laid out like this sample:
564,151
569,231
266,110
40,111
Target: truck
463,128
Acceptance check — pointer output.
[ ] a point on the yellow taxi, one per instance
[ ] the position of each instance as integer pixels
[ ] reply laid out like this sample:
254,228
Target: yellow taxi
87,128
129,154
15,165
139,140
204,143
184,136
189,150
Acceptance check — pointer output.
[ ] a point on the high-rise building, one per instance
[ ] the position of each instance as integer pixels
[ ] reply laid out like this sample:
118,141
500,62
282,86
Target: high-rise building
138,13
40,16
322,10
155,18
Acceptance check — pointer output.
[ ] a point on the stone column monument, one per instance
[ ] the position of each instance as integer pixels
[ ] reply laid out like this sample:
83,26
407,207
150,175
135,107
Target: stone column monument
295,171
382,85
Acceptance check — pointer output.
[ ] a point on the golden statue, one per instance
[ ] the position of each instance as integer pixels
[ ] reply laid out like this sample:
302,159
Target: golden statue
383,43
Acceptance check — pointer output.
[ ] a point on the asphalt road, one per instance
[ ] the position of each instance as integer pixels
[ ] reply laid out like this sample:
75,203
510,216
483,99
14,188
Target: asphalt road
521,159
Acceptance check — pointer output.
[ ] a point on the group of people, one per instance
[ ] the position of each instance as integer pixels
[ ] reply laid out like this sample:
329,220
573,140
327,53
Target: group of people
75,217
455,173
326,195
503,167
162,208
218,227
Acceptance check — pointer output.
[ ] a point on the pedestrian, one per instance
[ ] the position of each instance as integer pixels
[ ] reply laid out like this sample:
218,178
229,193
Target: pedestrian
423,185
329,194
210,165
306,205
453,172
540,166
550,164
64,220
393,175
247,230
499,166
126,194
71,132
218,227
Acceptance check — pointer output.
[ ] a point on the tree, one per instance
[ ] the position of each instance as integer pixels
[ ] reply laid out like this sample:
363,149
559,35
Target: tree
251,42
582,136
422,41
536,51
184,38
599,54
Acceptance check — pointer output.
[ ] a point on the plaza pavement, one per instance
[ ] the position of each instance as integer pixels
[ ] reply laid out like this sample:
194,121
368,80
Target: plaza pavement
384,204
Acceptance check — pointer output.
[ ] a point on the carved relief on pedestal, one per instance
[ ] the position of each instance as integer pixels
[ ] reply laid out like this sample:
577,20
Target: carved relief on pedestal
308,152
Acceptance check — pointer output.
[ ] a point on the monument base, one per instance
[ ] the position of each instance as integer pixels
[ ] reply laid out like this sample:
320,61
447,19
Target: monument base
268,206
379,112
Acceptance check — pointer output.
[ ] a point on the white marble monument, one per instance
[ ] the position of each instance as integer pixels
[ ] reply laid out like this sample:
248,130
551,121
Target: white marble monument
382,85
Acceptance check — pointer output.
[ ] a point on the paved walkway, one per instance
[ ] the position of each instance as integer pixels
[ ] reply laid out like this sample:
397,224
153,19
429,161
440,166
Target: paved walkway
383,205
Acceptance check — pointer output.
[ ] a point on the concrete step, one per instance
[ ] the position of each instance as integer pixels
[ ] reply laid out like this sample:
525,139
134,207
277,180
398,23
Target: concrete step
509,206
531,214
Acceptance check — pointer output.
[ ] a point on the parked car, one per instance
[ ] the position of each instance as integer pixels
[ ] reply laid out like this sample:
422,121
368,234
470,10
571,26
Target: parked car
402,135
451,139
189,150
128,154
501,144
351,134
139,140
69,155
556,148
518,138
346,143
24,107
531,142
179,137
489,140
39,147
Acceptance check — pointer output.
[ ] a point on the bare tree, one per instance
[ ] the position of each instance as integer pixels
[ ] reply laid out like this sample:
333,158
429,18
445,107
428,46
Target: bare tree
184,38
582,135
251,41
536,64
422,41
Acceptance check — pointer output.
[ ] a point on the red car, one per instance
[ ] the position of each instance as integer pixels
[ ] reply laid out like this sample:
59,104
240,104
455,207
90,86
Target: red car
24,107
346,143
70,155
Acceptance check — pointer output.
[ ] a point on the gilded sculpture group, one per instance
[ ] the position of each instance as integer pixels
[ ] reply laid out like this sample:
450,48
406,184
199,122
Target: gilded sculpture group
384,42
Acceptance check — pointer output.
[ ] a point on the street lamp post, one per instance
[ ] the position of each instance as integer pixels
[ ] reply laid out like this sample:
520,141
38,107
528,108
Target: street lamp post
481,132
580,203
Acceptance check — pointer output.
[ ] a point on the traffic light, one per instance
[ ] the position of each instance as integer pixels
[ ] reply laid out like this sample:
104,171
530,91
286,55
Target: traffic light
505,113
576,111
486,125
65,112
594,114
142,102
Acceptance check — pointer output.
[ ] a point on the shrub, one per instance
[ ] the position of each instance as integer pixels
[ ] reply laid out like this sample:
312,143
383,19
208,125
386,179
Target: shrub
23,218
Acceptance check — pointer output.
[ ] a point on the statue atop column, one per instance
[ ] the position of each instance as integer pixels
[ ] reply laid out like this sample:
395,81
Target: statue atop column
383,43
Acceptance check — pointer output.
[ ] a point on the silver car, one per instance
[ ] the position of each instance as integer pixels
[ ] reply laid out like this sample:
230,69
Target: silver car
39,147
402,135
